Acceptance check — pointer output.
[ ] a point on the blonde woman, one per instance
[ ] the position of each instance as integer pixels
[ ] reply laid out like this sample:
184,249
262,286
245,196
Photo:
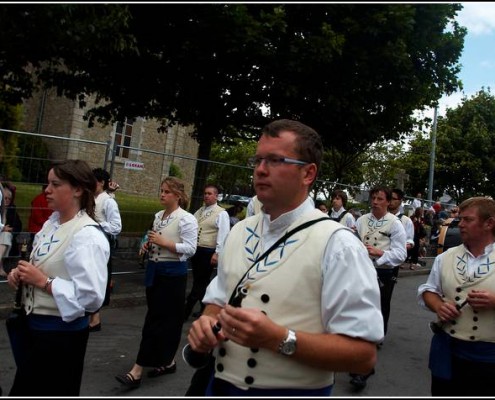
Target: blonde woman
170,243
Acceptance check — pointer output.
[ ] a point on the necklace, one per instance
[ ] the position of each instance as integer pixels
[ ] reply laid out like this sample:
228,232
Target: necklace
165,220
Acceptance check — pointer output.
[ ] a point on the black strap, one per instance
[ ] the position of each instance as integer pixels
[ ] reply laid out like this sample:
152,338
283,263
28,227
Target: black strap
340,217
272,247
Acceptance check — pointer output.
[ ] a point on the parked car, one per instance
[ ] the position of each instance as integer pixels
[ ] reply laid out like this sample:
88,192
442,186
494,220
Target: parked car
236,198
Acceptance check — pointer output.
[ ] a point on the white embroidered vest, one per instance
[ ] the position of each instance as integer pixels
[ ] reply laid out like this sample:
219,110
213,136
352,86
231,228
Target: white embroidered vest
207,229
287,287
377,232
456,283
168,228
48,256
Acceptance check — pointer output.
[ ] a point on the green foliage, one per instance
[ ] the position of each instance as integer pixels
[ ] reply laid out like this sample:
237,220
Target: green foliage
137,212
234,180
175,171
354,72
10,118
465,144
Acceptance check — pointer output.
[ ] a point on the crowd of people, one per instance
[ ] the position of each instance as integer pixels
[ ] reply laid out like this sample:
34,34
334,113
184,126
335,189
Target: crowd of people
259,338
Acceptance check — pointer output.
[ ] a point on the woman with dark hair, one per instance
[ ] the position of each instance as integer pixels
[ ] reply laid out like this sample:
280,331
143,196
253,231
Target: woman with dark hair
62,282
171,242
108,216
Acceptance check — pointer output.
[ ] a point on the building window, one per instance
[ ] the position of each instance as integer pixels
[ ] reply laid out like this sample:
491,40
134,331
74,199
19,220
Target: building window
123,135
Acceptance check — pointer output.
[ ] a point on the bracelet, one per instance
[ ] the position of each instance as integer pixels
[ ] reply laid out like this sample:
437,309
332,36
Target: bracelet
48,282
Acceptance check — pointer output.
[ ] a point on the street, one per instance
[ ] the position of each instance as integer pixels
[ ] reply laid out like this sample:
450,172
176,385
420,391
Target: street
402,368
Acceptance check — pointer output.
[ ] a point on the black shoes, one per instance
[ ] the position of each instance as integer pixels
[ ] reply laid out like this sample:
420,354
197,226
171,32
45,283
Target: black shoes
162,371
95,328
359,381
129,381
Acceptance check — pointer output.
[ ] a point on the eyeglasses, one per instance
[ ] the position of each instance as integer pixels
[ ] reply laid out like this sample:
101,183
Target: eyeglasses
273,161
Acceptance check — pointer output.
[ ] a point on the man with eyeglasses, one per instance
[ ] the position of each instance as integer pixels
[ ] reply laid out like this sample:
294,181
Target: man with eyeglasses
308,309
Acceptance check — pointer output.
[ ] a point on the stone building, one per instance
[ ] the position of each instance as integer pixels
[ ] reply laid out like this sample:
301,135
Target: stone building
138,167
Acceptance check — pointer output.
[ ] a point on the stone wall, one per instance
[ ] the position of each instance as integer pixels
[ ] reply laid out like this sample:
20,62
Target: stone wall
49,114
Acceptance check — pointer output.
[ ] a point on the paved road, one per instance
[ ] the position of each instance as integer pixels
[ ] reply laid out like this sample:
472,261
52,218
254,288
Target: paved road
401,369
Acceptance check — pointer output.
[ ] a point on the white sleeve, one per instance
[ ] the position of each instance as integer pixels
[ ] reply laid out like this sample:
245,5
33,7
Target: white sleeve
223,225
350,293
86,261
113,223
188,226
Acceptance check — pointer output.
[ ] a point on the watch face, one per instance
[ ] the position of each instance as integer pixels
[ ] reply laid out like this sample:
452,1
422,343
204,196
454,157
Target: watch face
289,348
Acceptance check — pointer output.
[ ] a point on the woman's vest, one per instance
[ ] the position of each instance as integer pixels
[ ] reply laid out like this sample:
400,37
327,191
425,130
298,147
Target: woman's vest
48,256
168,228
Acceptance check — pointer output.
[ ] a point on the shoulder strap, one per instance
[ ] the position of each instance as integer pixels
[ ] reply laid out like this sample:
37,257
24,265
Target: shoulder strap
234,297
341,216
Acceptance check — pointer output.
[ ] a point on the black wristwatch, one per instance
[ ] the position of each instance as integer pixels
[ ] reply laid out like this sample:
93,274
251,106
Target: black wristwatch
288,346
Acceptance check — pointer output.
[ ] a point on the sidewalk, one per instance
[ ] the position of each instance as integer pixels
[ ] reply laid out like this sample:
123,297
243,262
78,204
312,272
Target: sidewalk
128,289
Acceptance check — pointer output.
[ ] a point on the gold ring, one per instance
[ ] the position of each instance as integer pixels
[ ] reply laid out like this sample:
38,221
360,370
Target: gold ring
233,331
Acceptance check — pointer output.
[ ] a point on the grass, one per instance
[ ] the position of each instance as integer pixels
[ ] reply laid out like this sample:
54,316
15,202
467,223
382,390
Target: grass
136,211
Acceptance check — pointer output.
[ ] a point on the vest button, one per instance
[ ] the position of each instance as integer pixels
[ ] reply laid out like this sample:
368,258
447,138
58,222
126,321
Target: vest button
251,362
255,350
265,298
458,289
222,352
249,380
219,367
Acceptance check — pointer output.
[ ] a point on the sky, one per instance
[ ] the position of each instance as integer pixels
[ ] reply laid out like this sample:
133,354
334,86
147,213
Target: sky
478,56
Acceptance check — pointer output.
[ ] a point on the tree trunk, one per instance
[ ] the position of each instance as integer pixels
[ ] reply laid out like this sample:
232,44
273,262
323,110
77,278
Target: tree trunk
201,173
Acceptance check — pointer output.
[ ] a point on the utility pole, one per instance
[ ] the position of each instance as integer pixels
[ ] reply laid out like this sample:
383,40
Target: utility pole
432,157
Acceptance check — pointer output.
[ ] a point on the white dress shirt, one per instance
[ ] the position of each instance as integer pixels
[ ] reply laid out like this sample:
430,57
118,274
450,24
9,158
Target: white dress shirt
350,303
87,252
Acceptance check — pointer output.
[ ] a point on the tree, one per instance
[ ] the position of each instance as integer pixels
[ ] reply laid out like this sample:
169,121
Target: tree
353,72
465,144
10,119
230,169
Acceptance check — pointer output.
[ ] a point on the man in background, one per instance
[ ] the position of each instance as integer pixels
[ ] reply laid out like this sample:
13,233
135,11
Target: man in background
385,239
214,225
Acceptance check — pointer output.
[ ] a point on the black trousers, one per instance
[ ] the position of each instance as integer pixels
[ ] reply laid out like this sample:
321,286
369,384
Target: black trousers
202,271
162,329
54,364
387,278
469,378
